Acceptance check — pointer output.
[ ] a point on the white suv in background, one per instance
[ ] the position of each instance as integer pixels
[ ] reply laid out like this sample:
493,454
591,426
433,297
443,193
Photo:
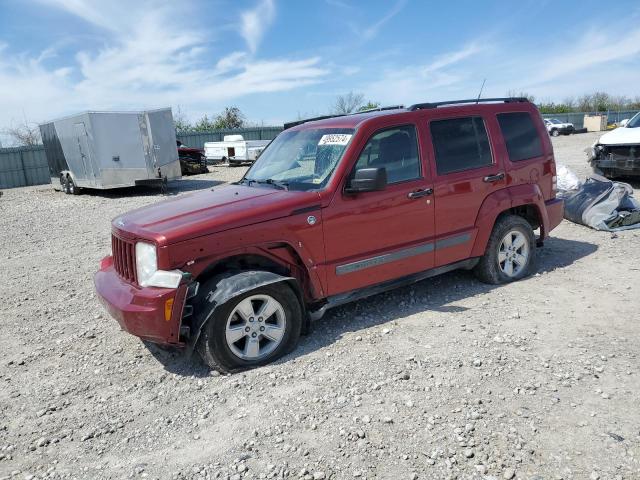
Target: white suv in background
555,127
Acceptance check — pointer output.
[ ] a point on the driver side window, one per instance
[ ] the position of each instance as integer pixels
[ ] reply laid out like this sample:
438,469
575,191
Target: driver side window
396,150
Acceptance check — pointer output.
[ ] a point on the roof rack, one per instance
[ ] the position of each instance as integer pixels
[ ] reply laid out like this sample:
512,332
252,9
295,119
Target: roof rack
422,106
379,109
324,117
300,122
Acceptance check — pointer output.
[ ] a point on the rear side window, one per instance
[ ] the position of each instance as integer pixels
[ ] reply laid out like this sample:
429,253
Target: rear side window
460,144
520,135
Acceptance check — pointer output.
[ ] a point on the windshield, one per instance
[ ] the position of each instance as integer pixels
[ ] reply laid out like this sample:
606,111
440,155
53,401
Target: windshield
634,122
300,160
555,120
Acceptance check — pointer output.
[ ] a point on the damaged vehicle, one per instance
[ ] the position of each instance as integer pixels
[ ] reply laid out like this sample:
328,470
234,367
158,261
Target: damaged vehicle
192,160
617,153
333,211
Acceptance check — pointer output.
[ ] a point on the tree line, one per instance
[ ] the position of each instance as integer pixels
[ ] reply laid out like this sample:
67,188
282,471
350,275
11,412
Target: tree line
589,102
28,134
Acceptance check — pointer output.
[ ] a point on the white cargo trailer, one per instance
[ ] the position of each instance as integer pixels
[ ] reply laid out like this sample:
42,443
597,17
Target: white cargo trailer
234,149
105,150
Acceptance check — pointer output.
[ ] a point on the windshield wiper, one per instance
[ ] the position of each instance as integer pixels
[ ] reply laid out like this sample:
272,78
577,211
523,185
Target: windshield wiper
269,181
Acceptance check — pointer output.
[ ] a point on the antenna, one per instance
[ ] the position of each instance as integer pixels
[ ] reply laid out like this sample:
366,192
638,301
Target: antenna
481,88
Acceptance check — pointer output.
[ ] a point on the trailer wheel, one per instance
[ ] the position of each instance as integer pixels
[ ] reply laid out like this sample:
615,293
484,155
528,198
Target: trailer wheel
72,189
63,184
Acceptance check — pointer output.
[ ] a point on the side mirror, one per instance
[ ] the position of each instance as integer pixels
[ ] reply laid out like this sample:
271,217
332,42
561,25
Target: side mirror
368,180
624,122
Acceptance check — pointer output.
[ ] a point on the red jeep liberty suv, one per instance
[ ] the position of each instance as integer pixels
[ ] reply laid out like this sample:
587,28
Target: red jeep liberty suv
334,210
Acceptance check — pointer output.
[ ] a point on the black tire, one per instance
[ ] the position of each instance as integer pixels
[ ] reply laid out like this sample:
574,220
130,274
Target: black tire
212,345
488,269
72,188
64,185
555,133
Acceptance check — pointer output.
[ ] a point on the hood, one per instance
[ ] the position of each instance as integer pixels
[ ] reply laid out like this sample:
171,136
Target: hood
621,136
210,211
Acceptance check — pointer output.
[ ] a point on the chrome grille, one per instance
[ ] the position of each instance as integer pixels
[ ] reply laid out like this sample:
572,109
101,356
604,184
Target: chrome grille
124,258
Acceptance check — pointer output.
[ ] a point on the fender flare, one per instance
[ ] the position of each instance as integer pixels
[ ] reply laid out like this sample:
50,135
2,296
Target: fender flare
232,284
501,201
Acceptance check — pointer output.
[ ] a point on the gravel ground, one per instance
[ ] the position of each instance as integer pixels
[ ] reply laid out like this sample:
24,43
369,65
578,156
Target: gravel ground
449,378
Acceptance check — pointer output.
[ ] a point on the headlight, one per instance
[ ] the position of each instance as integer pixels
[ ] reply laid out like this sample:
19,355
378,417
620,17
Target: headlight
147,268
146,262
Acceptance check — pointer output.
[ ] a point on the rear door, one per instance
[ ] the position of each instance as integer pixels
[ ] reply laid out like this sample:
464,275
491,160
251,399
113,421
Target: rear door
162,137
377,236
466,171
85,154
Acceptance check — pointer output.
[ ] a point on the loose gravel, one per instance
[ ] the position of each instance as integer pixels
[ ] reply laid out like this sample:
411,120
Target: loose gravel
448,378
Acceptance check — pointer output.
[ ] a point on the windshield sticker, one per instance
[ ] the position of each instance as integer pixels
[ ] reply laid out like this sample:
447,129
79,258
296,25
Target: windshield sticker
335,139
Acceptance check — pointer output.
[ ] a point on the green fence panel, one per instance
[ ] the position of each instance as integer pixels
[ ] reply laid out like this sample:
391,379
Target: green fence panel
198,139
577,118
23,166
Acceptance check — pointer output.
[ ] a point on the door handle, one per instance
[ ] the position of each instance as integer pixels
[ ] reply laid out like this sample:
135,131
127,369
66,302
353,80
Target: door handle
494,178
420,193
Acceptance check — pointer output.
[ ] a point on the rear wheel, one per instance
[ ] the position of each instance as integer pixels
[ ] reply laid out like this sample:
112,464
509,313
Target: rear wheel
252,329
510,253
72,188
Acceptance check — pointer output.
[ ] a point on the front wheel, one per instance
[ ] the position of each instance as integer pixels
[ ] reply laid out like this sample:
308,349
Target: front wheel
555,133
64,185
510,253
72,188
252,329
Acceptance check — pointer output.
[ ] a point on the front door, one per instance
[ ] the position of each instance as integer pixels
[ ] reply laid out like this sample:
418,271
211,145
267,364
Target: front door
466,172
377,236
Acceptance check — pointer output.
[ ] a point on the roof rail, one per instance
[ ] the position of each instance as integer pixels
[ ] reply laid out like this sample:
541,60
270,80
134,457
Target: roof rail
379,109
300,122
323,117
421,106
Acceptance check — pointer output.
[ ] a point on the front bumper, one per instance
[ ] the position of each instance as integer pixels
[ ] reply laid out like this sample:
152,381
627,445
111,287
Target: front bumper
616,160
141,311
555,213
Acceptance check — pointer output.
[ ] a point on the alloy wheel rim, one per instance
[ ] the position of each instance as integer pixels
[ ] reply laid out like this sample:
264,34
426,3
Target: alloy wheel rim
255,327
513,253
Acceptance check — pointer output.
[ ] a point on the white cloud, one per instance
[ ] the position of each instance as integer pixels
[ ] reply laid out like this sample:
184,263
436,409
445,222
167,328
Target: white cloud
149,59
256,21
372,30
597,61
84,10
451,58
420,83
593,50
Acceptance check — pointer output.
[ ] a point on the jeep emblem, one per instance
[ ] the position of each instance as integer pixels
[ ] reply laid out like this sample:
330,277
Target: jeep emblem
311,220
